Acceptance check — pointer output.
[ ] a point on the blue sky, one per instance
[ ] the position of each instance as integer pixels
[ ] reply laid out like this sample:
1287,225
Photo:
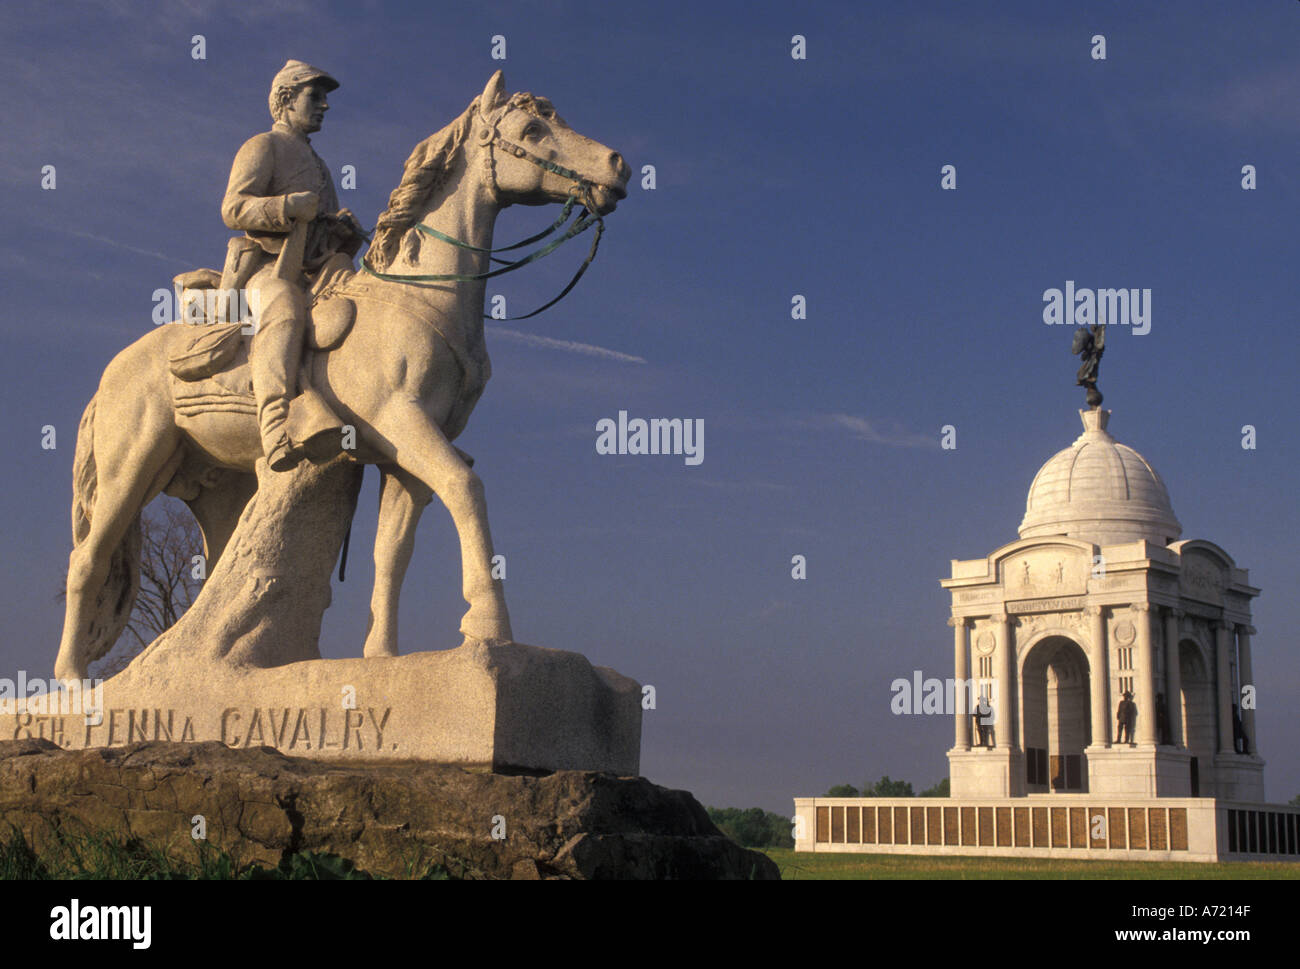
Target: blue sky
775,177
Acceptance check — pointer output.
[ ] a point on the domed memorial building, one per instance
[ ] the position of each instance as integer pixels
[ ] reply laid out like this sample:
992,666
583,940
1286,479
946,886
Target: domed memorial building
1102,693
1101,600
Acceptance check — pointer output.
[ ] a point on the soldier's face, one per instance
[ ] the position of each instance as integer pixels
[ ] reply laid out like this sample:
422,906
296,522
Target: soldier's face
307,110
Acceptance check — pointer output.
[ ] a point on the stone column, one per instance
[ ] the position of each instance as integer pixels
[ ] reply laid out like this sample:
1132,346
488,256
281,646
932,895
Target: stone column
961,673
1223,683
1247,679
1006,674
1173,677
1099,677
1144,676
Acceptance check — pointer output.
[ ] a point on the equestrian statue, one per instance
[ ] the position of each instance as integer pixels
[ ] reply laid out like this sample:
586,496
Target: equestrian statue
383,365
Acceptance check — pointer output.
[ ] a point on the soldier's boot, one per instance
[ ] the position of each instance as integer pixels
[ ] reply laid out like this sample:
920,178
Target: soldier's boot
273,358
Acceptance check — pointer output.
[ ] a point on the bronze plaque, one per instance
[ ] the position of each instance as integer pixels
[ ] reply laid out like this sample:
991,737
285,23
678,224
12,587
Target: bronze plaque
968,825
869,825
1137,828
1078,827
900,825
1156,827
933,826
1059,837
1096,827
823,825
1040,827
918,825
885,819
1117,829
853,821
950,831
986,825
1021,816
1178,829
1004,827
837,825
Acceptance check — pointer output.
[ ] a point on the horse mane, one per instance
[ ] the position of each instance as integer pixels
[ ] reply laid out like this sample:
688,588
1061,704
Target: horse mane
427,167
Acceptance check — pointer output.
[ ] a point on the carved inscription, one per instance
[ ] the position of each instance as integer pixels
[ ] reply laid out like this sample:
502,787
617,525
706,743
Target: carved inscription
1066,604
292,729
286,728
118,726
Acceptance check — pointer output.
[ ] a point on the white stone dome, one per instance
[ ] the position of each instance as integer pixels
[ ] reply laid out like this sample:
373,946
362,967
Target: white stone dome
1100,491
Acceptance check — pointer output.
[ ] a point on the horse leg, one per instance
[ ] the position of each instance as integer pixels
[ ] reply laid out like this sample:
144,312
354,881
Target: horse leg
402,499
136,454
410,439
217,511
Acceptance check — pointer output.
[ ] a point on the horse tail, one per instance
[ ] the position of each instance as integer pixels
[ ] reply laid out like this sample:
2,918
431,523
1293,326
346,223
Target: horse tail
113,604
84,476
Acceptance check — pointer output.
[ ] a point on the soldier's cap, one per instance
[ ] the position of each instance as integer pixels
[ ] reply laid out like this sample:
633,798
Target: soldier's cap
297,73
1128,695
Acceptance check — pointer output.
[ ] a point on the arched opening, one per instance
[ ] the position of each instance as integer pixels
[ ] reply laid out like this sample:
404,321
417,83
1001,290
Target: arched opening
1200,735
1057,716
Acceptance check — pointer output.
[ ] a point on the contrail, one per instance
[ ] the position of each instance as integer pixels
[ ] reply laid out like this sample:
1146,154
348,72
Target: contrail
569,346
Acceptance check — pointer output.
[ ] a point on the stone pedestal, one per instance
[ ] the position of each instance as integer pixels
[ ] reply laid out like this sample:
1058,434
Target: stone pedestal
501,706
1141,771
1239,777
986,772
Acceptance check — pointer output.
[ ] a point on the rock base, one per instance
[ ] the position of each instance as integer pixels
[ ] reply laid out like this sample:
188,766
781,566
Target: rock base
388,819
499,706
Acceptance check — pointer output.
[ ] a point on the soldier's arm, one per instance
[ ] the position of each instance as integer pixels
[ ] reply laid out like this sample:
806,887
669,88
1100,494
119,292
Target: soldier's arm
247,204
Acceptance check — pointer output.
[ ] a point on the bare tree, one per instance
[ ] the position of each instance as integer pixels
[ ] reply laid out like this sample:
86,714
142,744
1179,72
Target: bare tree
170,540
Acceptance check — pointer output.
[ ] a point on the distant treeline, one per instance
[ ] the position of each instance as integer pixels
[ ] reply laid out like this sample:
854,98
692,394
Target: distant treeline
887,788
756,828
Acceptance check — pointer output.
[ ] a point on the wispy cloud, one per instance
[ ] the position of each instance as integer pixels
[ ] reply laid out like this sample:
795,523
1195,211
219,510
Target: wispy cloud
886,432
565,346
127,247
1270,97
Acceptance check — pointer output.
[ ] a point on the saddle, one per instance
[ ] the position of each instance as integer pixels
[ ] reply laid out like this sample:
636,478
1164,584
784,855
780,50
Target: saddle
210,370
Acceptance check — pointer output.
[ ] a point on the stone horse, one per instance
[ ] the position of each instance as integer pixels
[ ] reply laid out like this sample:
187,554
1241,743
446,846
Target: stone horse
405,377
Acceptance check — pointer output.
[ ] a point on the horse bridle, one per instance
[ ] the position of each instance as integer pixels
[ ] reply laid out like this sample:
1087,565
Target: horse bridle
581,191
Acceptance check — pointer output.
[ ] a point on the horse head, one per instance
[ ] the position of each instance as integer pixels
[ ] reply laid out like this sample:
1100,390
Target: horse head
516,150
535,157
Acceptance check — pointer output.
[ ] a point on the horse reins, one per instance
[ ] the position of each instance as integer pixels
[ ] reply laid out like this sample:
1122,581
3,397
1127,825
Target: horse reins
580,191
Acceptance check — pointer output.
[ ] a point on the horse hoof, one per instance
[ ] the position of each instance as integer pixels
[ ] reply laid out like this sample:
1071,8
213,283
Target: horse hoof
488,632
377,650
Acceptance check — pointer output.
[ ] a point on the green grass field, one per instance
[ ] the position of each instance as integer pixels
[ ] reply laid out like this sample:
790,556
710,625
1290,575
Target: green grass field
841,866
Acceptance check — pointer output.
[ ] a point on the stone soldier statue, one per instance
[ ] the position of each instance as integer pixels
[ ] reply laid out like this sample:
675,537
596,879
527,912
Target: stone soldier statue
278,180
1126,716
1240,742
984,721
